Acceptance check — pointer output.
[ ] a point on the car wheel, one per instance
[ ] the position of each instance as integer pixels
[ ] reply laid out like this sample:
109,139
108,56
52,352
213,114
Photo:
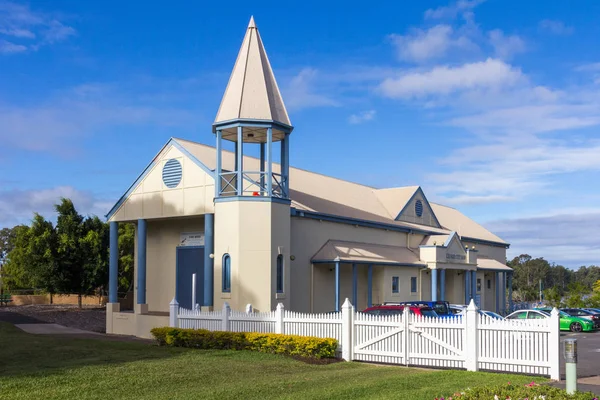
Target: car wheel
576,327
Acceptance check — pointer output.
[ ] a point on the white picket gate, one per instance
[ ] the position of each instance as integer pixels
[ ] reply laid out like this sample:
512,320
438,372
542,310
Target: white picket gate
473,342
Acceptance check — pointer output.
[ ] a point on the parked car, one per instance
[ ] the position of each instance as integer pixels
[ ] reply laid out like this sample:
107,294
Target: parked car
596,310
492,314
567,322
442,308
456,308
395,309
590,315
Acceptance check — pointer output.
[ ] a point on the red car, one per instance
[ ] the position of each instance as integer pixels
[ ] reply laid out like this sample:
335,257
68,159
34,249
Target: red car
396,309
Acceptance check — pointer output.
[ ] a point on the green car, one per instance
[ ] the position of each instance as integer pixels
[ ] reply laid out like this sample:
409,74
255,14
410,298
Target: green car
567,322
571,323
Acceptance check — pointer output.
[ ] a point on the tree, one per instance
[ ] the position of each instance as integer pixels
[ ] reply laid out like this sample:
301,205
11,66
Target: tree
553,296
596,287
126,256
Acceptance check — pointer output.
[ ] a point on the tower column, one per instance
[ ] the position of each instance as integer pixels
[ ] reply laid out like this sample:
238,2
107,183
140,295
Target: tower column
218,169
269,161
262,168
443,284
239,155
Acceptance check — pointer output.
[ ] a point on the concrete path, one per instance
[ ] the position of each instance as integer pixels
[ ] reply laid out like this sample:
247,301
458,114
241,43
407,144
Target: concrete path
52,329
589,384
16,318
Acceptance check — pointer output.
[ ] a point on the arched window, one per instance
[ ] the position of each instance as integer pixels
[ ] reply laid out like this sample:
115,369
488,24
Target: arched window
280,273
226,274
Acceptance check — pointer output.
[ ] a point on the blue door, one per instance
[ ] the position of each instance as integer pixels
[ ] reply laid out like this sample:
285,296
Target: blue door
190,260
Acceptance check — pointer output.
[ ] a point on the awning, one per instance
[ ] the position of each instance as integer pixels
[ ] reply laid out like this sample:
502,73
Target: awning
366,253
492,265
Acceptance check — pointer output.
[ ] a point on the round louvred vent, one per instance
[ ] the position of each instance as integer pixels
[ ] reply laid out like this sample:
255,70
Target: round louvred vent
419,208
171,173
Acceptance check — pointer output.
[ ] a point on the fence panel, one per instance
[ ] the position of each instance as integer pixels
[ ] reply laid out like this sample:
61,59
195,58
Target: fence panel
520,346
316,325
252,322
195,319
436,342
379,338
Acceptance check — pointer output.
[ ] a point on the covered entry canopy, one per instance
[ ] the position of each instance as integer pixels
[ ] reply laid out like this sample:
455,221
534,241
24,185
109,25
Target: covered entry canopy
365,253
492,265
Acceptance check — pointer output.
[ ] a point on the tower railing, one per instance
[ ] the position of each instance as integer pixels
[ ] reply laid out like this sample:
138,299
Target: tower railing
254,184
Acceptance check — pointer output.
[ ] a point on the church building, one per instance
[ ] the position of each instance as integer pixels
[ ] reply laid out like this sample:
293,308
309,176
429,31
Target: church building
251,230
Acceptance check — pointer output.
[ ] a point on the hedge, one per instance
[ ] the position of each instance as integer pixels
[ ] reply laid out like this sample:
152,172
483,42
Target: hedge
303,346
531,391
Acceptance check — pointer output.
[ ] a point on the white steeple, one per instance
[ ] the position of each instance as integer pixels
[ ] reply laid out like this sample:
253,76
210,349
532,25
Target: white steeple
252,91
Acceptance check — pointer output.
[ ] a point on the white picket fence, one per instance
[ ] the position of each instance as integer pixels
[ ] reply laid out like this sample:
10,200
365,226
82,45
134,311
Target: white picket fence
474,342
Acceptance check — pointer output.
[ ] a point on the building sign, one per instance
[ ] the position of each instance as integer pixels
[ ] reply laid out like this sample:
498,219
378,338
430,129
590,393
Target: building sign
459,257
191,239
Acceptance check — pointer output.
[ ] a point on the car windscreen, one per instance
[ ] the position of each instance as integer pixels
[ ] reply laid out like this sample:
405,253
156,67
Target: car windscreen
428,312
441,308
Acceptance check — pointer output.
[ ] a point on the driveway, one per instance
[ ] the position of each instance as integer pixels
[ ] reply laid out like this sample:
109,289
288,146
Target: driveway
588,353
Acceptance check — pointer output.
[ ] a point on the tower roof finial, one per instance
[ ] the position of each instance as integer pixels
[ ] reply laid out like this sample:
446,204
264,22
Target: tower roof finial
252,92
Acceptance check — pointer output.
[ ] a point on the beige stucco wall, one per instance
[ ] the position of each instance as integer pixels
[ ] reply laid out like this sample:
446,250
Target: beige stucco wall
497,253
162,241
253,233
308,236
128,323
151,198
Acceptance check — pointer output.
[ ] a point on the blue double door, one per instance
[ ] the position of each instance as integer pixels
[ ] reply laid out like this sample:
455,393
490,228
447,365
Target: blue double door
190,261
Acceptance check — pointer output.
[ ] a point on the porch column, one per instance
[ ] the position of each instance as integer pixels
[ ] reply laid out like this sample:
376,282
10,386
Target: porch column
474,285
285,166
354,285
467,286
209,241
503,300
497,276
240,162
443,284
218,166
337,286
434,284
510,292
370,286
141,258
113,268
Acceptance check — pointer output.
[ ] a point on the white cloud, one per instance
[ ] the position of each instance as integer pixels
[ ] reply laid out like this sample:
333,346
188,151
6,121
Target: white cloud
66,119
18,206
28,29
7,47
361,117
555,27
422,45
593,69
300,92
563,238
460,7
506,46
445,80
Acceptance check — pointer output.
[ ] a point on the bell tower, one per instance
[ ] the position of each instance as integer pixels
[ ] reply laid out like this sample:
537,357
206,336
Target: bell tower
252,203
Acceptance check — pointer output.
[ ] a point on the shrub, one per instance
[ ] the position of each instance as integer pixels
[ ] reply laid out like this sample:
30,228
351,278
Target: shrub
530,391
302,346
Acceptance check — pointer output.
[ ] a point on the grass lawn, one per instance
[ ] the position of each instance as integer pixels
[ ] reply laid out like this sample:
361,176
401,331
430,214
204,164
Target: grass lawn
43,367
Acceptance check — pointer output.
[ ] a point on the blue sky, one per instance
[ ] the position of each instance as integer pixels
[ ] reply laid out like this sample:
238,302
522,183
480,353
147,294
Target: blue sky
492,107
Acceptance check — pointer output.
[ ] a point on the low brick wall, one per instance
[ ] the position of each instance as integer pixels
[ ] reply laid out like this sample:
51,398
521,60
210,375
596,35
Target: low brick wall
23,300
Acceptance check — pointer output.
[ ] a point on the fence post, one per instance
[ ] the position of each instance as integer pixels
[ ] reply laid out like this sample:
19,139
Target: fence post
347,330
406,321
173,313
225,317
554,344
249,309
279,327
471,342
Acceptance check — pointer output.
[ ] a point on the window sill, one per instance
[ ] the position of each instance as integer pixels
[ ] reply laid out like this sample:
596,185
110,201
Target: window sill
279,296
226,295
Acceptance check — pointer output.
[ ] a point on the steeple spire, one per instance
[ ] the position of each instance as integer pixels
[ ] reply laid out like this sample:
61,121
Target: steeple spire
252,92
